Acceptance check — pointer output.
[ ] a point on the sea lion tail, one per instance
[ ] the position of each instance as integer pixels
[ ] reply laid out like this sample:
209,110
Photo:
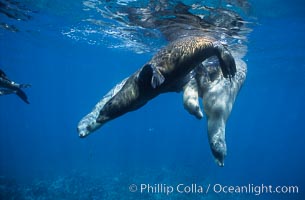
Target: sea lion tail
226,60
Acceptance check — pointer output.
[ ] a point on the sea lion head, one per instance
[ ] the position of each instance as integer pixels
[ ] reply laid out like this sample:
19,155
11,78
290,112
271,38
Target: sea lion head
87,125
219,150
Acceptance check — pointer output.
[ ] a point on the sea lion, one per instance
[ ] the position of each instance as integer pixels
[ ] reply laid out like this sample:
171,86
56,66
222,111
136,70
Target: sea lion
218,95
10,87
161,74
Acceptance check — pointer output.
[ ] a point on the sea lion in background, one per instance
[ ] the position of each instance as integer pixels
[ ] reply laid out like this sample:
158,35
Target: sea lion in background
10,87
167,69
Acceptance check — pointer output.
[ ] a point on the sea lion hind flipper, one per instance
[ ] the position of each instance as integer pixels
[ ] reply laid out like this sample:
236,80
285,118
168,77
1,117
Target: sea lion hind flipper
22,95
150,70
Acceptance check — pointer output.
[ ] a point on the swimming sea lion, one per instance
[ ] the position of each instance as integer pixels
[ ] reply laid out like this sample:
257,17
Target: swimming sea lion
161,74
218,95
9,87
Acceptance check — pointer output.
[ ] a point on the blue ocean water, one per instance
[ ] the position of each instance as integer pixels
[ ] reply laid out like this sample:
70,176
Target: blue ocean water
70,69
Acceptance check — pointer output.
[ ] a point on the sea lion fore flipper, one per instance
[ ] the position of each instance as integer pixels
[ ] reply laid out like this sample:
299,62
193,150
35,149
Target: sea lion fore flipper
191,98
156,77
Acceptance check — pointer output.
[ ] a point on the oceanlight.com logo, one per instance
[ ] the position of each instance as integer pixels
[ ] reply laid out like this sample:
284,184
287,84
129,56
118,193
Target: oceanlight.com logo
194,188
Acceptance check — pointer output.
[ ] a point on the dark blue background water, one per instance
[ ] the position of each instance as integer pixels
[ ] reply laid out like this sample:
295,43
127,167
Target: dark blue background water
160,143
